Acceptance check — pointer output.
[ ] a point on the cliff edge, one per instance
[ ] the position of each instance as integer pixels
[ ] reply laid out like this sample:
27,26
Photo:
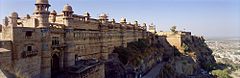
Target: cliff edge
177,55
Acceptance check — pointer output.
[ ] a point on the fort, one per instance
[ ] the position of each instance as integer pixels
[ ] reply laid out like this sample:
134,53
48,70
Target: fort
46,44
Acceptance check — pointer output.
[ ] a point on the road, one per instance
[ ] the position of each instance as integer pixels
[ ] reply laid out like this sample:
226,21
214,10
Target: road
154,72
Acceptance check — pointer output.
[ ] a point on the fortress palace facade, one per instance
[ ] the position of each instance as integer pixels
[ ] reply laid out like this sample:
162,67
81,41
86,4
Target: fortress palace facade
46,43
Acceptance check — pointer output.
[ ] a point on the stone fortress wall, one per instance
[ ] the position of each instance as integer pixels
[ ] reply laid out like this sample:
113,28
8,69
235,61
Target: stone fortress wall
45,43
176,38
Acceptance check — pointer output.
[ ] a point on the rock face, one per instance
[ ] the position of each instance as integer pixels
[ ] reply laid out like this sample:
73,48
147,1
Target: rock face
200,52
182,56
114,68
193,58
137,58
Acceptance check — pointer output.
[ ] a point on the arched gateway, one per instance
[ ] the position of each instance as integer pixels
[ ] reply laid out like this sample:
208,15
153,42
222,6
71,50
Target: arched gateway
55,65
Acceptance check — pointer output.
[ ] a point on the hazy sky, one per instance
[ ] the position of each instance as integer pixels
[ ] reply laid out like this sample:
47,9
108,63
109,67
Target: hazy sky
210,18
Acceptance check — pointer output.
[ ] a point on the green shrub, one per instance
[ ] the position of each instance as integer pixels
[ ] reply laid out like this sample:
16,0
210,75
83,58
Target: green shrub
185,47
221,73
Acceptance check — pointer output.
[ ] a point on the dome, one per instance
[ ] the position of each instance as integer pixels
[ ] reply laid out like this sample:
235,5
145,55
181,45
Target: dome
86,14
67,8
14,14
103,15
41,1
136,22
123,20
53,12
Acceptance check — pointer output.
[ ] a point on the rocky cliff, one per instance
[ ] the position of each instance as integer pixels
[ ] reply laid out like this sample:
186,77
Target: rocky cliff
194,60
190,59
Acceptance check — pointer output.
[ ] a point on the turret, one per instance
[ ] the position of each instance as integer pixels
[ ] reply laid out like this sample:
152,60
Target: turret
86,16
152,28
123,21
113,21
103,18
67,13
135,24
144,26
41,13
53,16
13,19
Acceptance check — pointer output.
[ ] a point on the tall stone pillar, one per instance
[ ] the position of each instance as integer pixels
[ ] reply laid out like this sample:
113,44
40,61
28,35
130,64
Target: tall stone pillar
69,55
46,54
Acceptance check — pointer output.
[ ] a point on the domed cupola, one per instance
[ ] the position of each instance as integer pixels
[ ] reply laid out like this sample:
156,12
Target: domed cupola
53,16
41,13
67,10
86,16
103,18
53,12
123,21
144,26
41,1
14,14
136,23
13,19
41,6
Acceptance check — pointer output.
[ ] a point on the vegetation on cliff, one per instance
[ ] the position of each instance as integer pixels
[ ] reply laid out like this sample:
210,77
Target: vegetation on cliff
221,73
196,60
135,52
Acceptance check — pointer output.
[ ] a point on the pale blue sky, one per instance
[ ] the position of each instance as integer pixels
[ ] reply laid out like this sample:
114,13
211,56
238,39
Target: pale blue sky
210,18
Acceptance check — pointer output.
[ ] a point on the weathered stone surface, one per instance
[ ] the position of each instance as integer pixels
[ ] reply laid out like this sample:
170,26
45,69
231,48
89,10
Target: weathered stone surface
45,42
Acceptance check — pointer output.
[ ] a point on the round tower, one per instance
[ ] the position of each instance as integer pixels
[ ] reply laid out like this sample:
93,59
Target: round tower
135,24
113,21
144,26
41,13
103,18
67,10
152,28
86,16
123,21
67,13
53,16
13,19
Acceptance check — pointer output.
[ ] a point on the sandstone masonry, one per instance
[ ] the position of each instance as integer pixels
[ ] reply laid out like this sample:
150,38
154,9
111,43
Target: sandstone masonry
47,43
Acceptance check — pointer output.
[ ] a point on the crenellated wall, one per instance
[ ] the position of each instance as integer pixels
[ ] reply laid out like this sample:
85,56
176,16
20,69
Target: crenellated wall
40,42
81,40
